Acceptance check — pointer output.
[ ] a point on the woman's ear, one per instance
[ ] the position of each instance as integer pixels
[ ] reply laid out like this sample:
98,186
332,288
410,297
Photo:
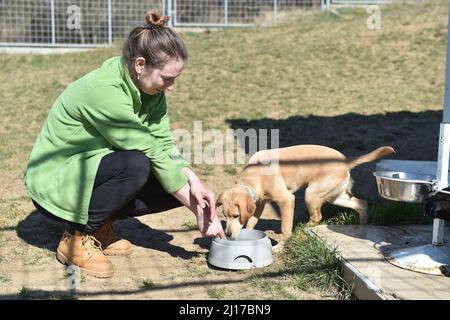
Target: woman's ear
139,65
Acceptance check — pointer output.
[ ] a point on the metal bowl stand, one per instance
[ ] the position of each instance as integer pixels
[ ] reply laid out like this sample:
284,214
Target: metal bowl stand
433,258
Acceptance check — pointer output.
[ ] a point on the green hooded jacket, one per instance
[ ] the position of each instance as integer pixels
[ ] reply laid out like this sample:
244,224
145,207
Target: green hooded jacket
101,112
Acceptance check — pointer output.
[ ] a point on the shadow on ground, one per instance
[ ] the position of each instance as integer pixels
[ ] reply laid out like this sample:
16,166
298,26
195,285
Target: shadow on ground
414,136
40,231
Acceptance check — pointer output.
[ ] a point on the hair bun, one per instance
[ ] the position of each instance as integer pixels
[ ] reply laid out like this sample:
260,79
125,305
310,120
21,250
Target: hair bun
154,18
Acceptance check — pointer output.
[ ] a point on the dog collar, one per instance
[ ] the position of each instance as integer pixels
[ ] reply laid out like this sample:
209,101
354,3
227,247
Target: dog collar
251,191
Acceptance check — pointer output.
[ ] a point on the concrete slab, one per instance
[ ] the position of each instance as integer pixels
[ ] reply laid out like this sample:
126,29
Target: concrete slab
363,248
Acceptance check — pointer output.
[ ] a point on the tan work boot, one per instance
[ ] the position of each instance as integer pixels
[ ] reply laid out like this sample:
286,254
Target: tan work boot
85,251
110,244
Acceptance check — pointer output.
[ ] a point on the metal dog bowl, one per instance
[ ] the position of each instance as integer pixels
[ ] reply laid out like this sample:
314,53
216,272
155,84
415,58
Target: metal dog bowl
404,186
251,249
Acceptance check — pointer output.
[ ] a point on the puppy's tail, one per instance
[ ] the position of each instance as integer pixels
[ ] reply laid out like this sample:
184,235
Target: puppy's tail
375,154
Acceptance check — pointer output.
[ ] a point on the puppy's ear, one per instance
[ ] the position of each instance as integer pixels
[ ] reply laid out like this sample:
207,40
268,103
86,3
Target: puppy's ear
247,211
219,200
251,206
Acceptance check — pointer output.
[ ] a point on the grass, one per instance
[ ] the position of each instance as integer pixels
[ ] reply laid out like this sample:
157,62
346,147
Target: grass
308,72
343,218
277,289
25,293
199,269
4,278
147,283
381,212
308,265
216,293
12,212
311,263
190,225
230,169
387,212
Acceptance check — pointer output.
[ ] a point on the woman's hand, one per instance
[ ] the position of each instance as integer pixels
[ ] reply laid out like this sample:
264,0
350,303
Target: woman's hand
202,203
209,227
203,196
207,220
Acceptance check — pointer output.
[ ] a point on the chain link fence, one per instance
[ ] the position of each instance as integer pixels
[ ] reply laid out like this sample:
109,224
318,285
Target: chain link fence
220,13
87,23
71,22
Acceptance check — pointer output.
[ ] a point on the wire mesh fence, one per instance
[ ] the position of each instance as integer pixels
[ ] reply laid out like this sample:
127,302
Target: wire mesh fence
359,2
82,22
70,22
99,22
234,12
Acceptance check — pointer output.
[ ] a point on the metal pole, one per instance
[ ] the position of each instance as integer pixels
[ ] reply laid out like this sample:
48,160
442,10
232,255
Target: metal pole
443,154
174,12
444,144
438,232
446,117
52,13
275,8
324,5
442,168
169,12
226,12
109,22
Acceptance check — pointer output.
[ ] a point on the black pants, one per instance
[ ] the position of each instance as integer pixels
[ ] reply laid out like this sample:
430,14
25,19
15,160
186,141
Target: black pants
124,187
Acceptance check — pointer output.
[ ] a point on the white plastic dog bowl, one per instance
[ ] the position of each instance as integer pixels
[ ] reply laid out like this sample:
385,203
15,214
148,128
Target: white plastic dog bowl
251,249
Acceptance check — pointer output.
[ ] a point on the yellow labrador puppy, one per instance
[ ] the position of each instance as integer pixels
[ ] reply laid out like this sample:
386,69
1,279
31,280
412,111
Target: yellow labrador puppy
274,175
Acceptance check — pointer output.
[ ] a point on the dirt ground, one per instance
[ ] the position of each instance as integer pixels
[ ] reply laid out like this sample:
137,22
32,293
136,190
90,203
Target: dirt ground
169,260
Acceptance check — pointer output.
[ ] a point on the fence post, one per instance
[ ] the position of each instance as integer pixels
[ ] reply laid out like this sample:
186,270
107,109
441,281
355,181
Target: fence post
325,4
275,11
52,12
169,12
109,22
225,12
174,12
